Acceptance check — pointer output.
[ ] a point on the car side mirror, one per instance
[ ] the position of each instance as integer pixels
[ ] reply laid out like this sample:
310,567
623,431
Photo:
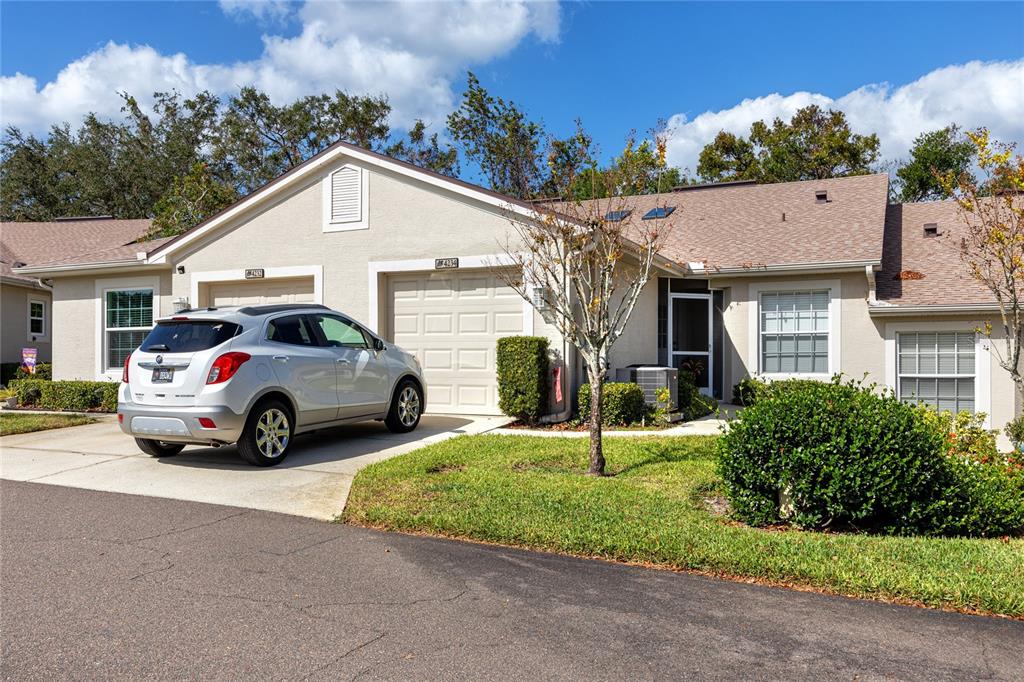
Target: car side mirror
378,345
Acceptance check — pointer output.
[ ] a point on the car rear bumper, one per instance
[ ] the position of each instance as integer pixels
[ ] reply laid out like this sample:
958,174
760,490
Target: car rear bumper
180,424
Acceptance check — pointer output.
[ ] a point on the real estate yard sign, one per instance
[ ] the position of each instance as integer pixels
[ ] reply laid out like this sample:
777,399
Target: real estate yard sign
28,359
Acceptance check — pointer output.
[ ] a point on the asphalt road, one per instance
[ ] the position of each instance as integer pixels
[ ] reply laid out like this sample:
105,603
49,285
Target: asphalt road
104,585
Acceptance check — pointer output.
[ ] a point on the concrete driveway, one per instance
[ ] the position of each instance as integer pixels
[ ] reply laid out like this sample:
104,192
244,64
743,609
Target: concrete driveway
314,481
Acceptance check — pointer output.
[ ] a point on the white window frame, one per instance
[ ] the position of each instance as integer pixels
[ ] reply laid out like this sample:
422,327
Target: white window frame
45,334
982,358
754,360
330,225
936,375
119,284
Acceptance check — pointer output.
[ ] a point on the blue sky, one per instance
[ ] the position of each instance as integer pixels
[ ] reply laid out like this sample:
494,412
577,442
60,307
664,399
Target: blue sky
618,66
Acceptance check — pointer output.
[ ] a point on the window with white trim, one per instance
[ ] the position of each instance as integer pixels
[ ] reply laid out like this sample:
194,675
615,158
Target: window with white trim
36,318
936,369
346,195
127,319
794,332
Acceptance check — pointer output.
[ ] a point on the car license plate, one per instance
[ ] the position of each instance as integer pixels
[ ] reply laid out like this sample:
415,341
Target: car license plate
163,375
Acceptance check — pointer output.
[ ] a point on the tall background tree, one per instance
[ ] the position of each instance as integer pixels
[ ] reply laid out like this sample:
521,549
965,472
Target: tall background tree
190,157
815,144
497,136
934,155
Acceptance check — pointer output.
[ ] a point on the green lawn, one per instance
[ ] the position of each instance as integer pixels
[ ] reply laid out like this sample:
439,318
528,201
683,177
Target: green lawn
530,492
12,423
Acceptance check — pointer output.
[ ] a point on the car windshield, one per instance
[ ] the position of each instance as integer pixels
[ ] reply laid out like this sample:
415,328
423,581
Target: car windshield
188,336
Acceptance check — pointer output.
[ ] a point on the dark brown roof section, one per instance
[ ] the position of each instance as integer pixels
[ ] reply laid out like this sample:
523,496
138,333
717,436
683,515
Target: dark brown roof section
920,268
749,226
31,244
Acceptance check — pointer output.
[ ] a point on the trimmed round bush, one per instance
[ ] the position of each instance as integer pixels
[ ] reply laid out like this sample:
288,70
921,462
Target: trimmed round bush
834,455
622,404
842,456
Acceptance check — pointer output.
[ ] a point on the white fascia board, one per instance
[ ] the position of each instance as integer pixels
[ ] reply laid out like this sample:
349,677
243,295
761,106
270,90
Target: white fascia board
123,265
789,268
883,309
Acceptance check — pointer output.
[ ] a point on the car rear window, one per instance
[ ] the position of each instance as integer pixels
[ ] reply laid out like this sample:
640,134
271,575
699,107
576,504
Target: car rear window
188,336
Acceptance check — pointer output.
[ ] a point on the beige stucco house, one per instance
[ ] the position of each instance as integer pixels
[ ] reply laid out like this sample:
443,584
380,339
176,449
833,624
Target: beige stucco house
793,279
26,315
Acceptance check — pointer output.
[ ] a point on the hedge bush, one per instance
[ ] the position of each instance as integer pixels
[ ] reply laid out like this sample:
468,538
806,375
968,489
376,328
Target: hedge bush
523,376
74,396
622,404
843,456
693,404
9,371
750,390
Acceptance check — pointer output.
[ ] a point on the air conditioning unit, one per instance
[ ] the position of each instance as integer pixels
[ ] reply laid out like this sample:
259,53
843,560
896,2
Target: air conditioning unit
651,379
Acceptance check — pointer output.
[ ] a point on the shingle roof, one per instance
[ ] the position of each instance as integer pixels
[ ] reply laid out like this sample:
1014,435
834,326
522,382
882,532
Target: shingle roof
919,270
67,241
749,225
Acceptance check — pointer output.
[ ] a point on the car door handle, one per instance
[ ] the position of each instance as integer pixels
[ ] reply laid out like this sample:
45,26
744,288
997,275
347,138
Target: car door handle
343,361
282,358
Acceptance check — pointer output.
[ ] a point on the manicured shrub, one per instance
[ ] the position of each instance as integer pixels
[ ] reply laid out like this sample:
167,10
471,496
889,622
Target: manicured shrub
9,371
75,396
523,376
841,455
622,404
748,391
1014,430
693,404
44,371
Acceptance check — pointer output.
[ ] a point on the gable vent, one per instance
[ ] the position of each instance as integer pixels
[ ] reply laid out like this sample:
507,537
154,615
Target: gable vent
821,196
346,196
931,229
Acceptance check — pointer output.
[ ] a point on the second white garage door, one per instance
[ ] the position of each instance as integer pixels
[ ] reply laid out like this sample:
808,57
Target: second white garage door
452,321
259,291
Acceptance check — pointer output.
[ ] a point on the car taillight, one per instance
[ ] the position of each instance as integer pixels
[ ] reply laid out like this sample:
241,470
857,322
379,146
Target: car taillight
225,367
124,374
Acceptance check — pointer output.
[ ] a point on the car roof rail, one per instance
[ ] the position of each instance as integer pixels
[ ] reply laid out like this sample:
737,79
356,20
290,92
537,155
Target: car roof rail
270,308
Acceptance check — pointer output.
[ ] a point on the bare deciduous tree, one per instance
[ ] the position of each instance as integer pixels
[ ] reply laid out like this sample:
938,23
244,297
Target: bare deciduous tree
584,266
993,246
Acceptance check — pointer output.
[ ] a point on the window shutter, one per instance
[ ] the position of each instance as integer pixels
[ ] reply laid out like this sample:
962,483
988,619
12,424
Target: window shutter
346,196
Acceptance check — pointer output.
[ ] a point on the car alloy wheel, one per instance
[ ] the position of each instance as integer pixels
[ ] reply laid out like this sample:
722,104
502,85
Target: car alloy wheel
272,433
408,406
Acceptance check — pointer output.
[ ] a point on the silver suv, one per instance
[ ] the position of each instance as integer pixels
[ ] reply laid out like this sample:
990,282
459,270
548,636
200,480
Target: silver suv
259,375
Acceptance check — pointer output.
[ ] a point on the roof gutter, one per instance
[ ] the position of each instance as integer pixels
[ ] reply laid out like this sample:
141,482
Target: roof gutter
700,270
85,267
887,309
24,283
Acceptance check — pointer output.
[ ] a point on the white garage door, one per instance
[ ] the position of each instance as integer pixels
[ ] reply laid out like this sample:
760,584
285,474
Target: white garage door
257,291
451,321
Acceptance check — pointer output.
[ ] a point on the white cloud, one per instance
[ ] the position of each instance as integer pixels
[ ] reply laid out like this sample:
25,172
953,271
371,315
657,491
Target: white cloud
409,50
974,94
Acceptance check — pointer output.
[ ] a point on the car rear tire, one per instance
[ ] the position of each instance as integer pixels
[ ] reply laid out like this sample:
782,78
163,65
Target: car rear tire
406,407
267,436
158,448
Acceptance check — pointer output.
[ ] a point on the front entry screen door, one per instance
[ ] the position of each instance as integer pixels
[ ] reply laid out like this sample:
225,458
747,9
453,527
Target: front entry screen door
689,325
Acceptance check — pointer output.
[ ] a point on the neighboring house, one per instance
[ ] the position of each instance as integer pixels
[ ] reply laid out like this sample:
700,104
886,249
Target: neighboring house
26,307
792,279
